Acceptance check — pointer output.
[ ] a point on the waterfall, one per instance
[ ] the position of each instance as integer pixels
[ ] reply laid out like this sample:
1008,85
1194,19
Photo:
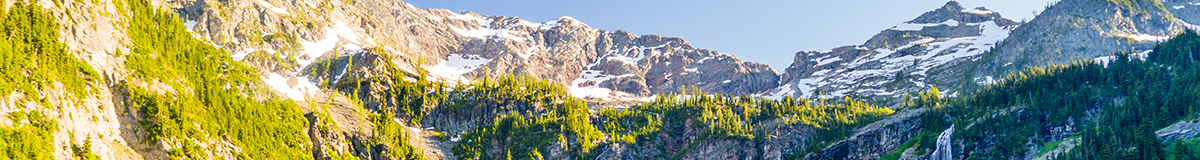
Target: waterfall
943,146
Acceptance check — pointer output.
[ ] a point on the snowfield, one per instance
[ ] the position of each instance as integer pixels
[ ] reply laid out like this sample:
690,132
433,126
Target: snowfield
455,65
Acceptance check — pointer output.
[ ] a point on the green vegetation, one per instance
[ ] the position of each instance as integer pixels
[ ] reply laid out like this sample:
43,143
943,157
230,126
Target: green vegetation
391,134
412,99
32,58
288,62
212,98
1050,146
1132,5
289,42
689,147
518,134
83,152
741,117
1181,149
925,136
30,138
1115,107
626,127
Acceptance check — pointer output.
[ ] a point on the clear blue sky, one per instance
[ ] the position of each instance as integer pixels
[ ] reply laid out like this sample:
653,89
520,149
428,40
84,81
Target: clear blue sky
765,31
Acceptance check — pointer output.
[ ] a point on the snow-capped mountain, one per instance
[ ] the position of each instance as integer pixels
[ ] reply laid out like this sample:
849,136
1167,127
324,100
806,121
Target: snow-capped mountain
459,46
958,49
161,79
930,50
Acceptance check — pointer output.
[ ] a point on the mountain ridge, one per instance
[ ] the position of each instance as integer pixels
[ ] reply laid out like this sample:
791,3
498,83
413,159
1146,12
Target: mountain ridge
378,79
896,61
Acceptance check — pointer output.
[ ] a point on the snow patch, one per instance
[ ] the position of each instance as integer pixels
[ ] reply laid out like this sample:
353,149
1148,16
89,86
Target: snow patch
593,91
985,80
485,31
528,52
627,59
978,11
457,64
1189,25
468,17
1145,37
1103,60
785,90
1178,7
190,24
719,56
595,78
301,89
314,49
825,61
543,25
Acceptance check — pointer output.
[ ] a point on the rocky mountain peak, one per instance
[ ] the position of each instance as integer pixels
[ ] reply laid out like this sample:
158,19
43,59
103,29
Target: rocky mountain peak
953,11
907,57
1084,29
947,11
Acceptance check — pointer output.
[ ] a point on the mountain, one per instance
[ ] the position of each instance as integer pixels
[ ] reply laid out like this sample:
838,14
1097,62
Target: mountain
461,46
138,79
1053,89
370,79
1083,30
960,49
937,48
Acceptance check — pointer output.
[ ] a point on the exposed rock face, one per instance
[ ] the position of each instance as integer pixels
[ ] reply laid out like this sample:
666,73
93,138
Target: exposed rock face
1183,130
787,141
875,139
934,49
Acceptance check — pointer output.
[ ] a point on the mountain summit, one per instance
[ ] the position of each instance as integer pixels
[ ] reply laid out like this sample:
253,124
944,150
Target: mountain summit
461,46
1083,30
930,50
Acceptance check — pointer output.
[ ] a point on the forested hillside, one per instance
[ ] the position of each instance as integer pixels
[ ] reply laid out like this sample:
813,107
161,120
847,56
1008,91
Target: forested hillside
185,79
32,60
1107,110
